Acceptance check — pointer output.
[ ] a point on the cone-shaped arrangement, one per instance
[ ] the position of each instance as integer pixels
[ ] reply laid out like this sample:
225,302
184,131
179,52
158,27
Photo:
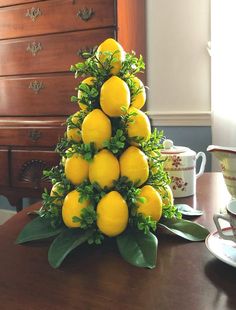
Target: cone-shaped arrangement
111,160
110,181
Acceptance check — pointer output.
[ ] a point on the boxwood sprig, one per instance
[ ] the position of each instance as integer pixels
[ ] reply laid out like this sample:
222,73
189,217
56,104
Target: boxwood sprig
116,143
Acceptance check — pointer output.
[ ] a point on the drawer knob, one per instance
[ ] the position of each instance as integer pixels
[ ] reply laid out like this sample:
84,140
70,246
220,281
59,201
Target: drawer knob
34,135
36,86
33,13
86,52
85,14
34,48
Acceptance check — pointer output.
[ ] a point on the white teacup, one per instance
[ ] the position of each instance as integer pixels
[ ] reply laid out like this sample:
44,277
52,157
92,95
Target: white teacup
229,217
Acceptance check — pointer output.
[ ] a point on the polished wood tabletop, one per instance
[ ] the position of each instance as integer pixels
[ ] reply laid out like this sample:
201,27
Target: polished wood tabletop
187,275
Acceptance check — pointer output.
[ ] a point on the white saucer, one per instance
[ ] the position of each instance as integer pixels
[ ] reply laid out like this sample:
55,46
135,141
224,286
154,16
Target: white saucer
225,250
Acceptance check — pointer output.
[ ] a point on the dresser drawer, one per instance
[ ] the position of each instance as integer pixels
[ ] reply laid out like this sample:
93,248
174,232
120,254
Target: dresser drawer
13,2
55,16
31,136
4,179
49,53
27,167
43,95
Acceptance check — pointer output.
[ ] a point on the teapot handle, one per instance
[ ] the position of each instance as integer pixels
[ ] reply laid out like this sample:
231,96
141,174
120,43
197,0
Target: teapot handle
203,163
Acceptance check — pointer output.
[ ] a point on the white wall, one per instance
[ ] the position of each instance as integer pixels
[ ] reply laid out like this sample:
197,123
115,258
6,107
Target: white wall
178,67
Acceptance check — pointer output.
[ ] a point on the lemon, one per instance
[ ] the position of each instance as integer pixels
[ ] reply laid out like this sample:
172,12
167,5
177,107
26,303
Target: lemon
96,128
139,100
167,195
73,134
57,192
134,165
112,214
89,81
104,169
153,203
140,125
76,169
75,119
72,207
114,95
111,45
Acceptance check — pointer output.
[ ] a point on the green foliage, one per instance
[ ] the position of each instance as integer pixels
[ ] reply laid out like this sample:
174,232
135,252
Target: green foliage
143,223
137,248
87,151
38,229
87,218
186,229
76,120
92,192
170,212
56,174
89,95
131,66
63,145
96,237
67,241
50,210
134,90
117,143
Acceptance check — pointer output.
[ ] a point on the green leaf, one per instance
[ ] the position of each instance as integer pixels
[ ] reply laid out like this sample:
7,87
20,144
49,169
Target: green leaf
67,241
187,210
185,229
138,249
38,228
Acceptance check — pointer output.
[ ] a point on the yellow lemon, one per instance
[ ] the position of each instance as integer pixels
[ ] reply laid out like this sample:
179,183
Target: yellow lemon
76,169
140,98
96,128
114,95
140,125
167,195
134,165
112,214
153,203
111,45
75,119
104,169
72,207
73,134
89,81
73,130
57,192
63,161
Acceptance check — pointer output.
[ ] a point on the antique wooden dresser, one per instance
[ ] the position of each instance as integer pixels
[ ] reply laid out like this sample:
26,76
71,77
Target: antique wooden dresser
39,40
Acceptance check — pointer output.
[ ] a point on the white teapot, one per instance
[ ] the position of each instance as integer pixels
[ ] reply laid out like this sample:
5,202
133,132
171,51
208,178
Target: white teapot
180,163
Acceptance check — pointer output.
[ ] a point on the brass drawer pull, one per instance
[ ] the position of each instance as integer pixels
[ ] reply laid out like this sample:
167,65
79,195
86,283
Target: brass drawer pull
36,86
34,48
34,135
85,14
33,13
87,50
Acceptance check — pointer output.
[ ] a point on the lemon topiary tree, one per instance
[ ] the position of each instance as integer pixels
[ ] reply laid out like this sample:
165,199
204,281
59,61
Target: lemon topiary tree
110,181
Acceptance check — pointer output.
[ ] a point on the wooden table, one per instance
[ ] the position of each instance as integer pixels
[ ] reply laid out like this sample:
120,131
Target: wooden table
187,276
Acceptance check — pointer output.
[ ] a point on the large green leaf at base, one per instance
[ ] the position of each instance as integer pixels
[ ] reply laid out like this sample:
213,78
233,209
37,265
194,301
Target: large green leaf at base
38,228
67,241
138,249
185,229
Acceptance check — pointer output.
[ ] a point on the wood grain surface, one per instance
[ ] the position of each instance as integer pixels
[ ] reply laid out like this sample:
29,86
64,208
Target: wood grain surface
187,276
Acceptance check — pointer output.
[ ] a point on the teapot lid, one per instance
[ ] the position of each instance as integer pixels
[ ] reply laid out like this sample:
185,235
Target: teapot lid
171,149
